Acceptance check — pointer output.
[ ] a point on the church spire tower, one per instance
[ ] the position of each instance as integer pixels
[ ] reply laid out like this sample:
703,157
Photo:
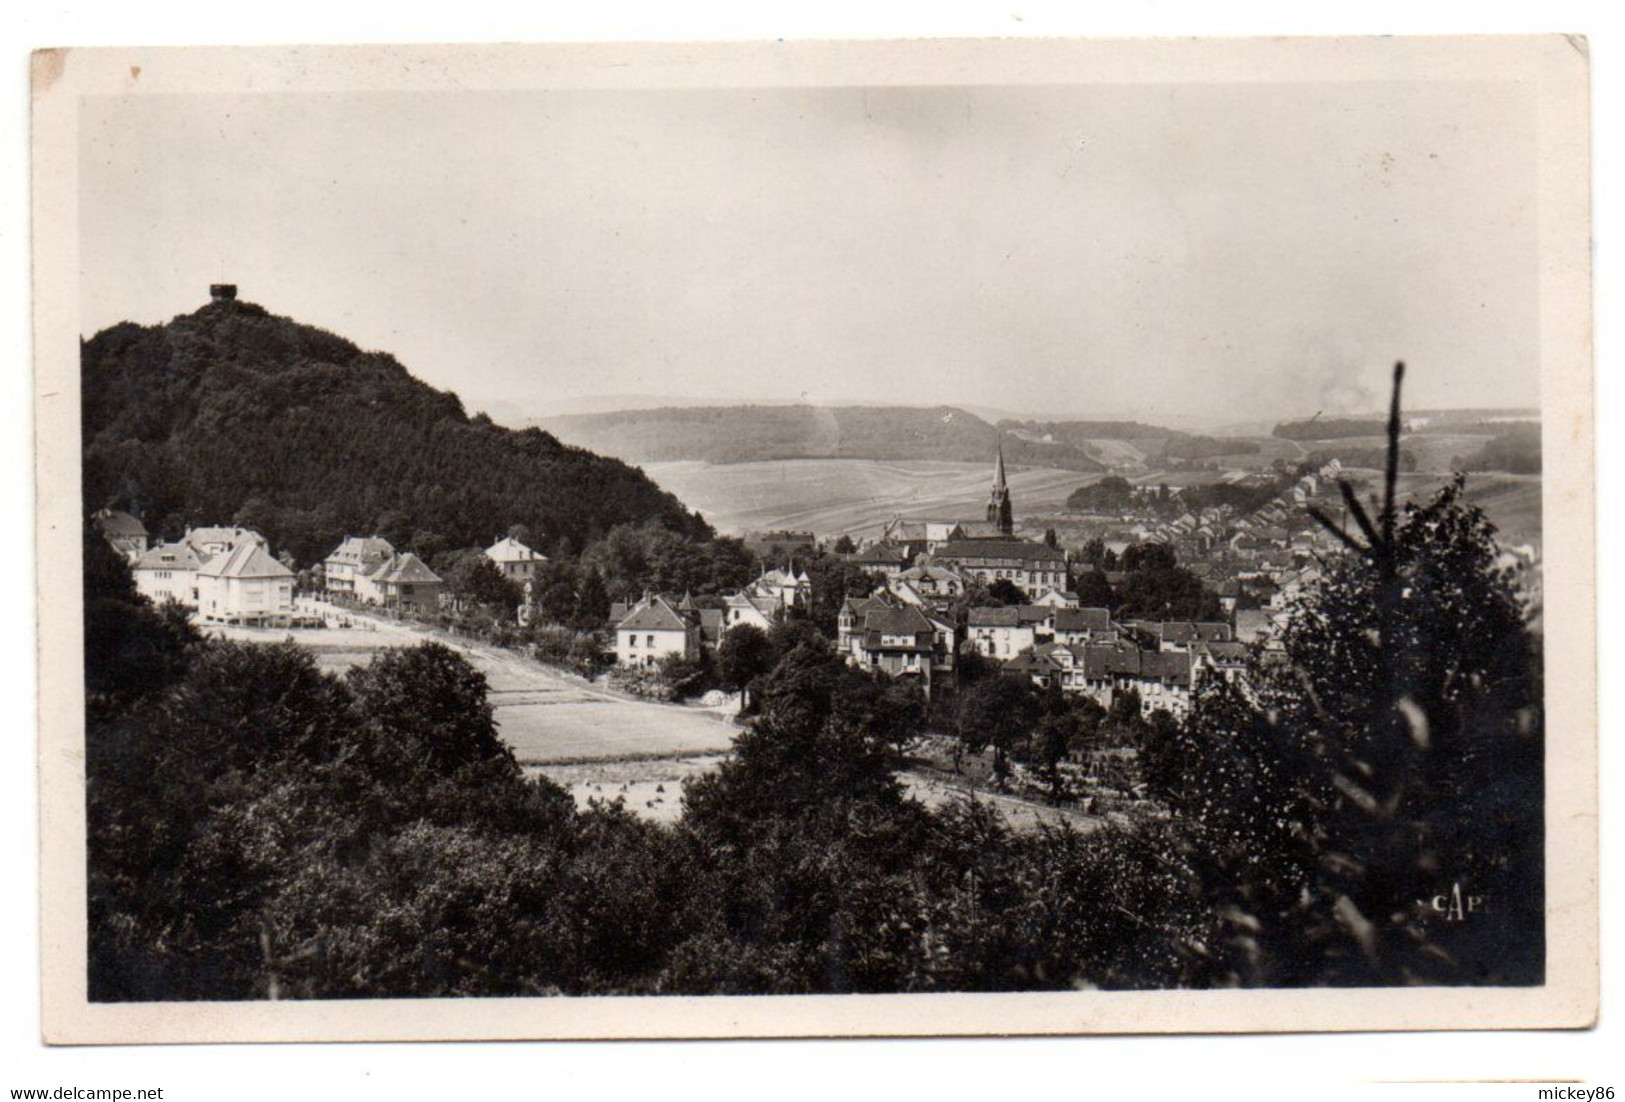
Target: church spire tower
998,505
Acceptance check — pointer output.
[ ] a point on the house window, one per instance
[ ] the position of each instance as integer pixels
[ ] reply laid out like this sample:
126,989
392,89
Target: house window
651,641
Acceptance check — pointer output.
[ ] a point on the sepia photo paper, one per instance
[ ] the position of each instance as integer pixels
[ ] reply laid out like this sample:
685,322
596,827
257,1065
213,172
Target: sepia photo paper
803,539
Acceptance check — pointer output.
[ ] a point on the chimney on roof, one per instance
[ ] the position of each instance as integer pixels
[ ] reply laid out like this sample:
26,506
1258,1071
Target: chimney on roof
223,292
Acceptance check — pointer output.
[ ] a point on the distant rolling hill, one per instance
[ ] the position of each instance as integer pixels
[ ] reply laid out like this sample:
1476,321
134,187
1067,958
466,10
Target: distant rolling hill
856,496
750,434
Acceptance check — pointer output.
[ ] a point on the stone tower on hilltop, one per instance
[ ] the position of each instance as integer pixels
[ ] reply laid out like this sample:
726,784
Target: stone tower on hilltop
998,504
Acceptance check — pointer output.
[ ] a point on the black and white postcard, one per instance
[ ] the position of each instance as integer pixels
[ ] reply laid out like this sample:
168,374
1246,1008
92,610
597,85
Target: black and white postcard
806,539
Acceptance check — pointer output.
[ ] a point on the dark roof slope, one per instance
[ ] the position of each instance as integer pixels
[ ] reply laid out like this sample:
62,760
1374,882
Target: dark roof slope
1023,550
246,560
1083,619
656,615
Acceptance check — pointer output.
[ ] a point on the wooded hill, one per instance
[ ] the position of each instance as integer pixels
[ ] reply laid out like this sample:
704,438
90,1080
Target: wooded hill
744,434
233,415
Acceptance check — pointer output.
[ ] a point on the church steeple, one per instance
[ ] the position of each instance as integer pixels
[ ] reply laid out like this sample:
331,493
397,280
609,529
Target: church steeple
998,506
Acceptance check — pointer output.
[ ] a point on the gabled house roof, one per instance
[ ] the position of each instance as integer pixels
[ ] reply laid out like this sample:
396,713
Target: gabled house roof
906,621
1225,653
880,553
1028,550
767,606
168,556
116,522
1173,667
908,529
1083,619
989,617
783,576
1031,662
1182,632
406,569
363,549
655,614
220,533
1021,550
248,559
862,606
1104,660
931,573
509,549
906,592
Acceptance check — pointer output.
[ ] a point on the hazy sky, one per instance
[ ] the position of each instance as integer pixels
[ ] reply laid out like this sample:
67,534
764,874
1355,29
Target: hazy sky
1221,253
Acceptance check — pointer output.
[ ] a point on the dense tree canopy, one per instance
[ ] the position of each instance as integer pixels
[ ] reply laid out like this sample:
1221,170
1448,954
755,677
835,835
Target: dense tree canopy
260,829
474,579
634,558
1395,760
230,414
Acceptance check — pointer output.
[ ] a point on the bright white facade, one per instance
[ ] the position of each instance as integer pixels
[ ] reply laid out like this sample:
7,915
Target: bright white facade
516,561
245,586
167,572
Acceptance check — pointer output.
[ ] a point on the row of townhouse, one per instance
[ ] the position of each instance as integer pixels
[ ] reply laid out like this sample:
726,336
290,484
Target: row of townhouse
1164,678
369,570
227,574
1004,632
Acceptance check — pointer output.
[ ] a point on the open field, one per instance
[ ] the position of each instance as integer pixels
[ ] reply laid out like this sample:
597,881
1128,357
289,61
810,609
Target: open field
829,496
544,715
859,496
1512,502
651,788
597,744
